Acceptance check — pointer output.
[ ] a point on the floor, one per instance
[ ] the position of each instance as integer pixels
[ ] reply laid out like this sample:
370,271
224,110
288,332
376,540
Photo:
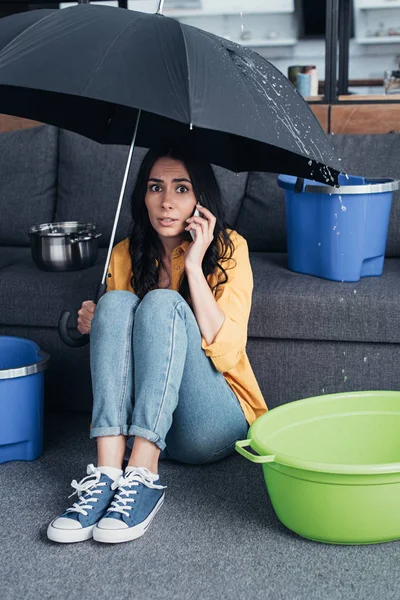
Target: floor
215,537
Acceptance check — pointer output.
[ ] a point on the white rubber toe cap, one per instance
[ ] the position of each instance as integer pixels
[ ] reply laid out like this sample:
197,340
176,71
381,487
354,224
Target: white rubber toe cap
65,523
111,524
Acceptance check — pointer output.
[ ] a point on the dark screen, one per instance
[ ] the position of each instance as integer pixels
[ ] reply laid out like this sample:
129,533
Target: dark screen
314,15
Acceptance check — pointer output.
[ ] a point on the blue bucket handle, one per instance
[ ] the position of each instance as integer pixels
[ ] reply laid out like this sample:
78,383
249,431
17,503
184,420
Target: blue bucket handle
299,185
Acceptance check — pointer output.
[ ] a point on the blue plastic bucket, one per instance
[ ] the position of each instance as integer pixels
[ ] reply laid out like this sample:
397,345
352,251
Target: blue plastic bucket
337,233
22,366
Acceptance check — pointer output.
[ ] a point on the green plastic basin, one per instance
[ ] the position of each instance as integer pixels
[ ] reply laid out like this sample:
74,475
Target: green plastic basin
332,465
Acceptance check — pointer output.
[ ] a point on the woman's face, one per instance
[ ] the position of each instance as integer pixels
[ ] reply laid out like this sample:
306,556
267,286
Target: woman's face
169,195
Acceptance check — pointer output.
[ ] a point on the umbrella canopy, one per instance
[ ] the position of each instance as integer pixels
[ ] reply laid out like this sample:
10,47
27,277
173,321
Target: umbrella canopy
89,69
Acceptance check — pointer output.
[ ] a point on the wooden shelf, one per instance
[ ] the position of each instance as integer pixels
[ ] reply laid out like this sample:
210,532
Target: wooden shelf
353,118
318,98
394,98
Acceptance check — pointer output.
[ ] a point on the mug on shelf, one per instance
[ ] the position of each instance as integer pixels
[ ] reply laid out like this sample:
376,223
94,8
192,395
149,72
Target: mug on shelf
303,84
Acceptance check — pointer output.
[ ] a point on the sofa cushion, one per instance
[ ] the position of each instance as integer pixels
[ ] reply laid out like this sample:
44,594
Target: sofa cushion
90,178
30,296
28,175
286,305
261,219
12,255
290,305
89,183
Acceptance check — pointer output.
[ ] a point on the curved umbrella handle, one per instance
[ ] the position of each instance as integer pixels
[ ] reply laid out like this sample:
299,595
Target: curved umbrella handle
76,342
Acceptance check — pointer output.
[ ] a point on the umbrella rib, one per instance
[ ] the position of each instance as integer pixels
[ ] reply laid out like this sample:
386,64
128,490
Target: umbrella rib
27,29
95,69
172,80
23,48
188,70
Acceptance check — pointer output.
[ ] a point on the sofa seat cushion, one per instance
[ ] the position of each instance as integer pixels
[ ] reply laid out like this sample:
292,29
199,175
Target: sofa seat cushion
290,305
29,296
286,305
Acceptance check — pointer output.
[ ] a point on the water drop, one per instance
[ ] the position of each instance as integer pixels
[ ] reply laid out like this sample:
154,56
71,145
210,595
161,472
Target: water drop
344,208
355,291
310,162
191,126
344,353
341,299
365,359
319,243
343,371
345,378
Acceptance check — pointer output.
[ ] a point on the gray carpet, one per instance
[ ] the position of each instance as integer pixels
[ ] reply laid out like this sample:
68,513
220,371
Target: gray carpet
215,537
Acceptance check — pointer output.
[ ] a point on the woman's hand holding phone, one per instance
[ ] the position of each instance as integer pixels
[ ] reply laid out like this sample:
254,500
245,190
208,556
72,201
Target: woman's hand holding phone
193,233
203,223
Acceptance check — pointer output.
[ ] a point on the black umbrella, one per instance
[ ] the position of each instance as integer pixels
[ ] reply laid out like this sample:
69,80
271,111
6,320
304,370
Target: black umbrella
98,70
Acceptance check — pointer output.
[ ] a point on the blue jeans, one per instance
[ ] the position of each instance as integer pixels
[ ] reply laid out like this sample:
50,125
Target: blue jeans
151,378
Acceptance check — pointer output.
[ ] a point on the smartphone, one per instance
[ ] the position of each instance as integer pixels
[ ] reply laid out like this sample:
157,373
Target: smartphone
193,233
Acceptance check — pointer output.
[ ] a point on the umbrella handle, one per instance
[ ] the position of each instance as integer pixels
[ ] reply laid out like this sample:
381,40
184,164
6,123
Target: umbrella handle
76,342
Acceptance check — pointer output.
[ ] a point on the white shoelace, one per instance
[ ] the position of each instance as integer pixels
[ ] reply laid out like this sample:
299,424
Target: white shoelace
85,486
124,485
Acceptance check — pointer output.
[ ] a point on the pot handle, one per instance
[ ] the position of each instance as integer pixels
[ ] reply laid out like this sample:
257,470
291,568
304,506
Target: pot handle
84,238
239,446
76,342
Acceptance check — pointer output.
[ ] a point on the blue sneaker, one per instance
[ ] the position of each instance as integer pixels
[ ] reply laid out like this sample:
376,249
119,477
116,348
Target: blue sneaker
76,523
136,502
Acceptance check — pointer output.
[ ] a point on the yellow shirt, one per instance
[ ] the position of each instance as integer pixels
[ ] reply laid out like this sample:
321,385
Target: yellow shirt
228,349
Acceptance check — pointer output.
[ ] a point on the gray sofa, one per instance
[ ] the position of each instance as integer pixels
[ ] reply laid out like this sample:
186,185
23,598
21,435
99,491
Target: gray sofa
307,336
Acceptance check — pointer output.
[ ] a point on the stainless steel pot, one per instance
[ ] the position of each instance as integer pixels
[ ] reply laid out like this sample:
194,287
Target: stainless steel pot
65,245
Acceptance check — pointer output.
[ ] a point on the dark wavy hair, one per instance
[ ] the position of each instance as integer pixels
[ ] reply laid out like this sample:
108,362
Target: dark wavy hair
144,243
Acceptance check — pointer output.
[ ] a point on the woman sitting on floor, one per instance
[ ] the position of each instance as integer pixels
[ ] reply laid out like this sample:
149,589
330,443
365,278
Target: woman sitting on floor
170,372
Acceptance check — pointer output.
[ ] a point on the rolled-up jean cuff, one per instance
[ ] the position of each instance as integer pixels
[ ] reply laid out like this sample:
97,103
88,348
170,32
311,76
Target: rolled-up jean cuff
148,435
101,431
